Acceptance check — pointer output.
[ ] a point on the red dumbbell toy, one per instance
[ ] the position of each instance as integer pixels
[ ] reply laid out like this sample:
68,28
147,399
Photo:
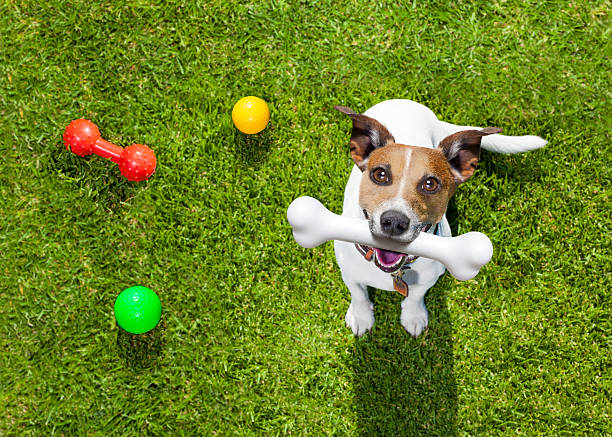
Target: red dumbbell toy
136,162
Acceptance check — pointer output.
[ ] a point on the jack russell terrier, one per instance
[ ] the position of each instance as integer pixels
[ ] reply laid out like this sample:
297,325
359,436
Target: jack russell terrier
408,165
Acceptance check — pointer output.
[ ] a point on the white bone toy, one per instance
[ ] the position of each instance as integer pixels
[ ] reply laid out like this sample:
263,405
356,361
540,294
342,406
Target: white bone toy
313,224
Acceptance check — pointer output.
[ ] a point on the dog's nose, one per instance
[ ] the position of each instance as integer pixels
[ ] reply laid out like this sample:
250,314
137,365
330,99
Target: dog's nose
394,223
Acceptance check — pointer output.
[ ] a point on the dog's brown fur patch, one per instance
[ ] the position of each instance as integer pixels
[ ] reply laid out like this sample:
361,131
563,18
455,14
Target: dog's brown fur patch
392,157
429,207
423,163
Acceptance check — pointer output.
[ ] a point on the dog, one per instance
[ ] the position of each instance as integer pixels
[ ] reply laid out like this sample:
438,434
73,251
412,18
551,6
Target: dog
408,165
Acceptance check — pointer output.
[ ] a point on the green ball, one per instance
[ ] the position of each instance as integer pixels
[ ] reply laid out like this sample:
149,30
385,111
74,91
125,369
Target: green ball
137,309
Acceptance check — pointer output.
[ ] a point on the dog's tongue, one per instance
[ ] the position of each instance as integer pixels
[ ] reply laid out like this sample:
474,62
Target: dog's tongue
387,258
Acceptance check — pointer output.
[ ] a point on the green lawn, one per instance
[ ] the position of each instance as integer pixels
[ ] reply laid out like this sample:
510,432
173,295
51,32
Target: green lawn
254,340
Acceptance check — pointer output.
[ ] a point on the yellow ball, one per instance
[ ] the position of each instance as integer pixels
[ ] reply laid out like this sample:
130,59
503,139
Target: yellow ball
250,115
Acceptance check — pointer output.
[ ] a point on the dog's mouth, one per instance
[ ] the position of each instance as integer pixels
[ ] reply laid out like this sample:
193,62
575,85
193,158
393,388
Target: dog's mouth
388,261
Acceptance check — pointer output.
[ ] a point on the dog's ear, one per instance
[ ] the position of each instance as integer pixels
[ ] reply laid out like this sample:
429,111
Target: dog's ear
368,134
462,150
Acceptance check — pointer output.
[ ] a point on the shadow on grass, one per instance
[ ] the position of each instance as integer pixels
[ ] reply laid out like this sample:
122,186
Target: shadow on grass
522,168
97,178
252,150
141,351
405,386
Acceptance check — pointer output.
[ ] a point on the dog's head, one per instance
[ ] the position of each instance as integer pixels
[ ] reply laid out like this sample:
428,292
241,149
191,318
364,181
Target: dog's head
405,188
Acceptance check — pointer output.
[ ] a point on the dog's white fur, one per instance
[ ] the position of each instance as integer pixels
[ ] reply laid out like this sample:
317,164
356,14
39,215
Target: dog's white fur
413,124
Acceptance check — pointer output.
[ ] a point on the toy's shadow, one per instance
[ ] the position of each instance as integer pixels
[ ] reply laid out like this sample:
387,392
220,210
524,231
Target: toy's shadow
253,150
141,351
98,178
405,386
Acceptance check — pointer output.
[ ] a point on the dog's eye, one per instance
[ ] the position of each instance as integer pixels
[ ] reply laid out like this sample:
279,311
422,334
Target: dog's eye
430,185
381,176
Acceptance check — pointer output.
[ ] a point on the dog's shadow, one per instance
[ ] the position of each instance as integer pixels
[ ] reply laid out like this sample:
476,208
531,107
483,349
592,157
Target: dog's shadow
405,386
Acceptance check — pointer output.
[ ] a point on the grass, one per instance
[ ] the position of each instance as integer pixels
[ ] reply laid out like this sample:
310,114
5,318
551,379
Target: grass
254,340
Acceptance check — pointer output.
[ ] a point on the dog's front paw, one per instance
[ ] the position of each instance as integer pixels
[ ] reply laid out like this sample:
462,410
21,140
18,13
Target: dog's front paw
360,318
414,317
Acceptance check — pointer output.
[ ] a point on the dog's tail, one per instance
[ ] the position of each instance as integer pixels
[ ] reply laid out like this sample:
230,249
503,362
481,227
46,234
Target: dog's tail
496,142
